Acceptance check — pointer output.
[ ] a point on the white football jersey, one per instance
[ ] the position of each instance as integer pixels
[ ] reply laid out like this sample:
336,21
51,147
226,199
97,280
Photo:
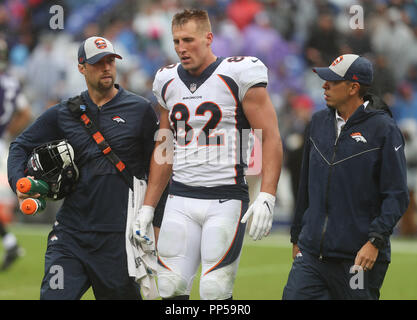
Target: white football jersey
205,112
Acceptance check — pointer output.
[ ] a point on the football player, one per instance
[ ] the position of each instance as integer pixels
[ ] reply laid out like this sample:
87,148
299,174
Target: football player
15,115
211,104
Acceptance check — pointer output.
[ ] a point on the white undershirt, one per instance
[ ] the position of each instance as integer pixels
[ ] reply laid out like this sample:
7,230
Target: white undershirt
340,122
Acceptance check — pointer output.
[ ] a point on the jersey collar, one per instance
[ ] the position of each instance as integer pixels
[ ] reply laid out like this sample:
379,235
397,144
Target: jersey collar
193,82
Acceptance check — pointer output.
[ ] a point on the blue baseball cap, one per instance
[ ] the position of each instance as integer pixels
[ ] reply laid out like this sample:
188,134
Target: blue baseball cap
348,67
95,48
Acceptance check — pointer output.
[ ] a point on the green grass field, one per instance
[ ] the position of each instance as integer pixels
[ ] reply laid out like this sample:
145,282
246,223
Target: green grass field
262,274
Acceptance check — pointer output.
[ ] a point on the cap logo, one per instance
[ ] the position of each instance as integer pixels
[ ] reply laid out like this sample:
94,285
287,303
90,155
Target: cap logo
100,43
337,61
80,59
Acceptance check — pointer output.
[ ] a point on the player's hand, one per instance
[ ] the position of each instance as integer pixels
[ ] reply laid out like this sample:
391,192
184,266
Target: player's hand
142,224
263,210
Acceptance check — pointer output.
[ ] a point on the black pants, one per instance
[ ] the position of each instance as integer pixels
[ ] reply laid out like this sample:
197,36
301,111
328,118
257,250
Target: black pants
75,260
313,279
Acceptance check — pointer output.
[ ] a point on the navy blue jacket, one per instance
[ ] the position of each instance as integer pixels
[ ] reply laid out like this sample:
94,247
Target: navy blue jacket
99,203
351,187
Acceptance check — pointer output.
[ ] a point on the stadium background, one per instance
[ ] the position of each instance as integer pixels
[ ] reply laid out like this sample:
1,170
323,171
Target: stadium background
289,36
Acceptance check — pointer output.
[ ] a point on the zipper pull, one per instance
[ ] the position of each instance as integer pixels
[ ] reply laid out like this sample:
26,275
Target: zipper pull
340,132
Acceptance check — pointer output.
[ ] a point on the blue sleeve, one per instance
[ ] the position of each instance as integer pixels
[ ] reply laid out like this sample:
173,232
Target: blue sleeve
393,185
43,129
150,126
302,193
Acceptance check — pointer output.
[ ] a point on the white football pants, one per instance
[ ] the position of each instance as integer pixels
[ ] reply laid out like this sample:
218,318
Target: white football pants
195,231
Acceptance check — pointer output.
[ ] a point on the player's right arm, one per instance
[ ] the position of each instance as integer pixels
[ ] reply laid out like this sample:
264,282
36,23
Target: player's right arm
160,168
161,161
162,157
159,174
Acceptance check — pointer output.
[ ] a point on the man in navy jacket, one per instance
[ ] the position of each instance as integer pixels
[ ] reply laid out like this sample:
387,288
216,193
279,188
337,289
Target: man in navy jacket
88,240
352,190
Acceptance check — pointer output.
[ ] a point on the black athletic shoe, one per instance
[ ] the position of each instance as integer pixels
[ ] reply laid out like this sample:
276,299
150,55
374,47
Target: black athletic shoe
11,255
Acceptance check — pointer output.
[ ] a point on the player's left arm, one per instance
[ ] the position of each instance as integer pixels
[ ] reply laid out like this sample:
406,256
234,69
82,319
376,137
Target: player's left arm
260,113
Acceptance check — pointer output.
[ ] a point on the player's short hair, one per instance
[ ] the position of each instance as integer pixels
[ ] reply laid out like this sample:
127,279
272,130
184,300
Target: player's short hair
199,16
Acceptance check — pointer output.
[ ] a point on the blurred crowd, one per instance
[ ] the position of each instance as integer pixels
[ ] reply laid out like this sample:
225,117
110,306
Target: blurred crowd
289,36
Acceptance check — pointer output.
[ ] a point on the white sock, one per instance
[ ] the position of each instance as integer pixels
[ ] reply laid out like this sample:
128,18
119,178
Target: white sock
9,241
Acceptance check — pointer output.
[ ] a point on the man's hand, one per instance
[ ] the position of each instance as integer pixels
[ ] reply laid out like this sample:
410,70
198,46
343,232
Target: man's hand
366,256
295,250
141,227
22,196
263,210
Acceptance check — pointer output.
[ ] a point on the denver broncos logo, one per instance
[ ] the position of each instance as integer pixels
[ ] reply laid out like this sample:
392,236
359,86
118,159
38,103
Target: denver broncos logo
337,60
118,119
358,137
100,43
